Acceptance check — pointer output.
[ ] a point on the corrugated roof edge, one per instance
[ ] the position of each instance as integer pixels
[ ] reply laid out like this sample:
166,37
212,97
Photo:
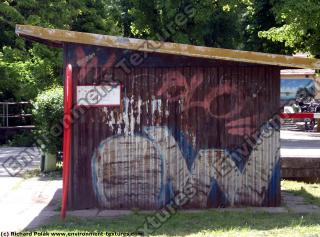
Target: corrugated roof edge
58,37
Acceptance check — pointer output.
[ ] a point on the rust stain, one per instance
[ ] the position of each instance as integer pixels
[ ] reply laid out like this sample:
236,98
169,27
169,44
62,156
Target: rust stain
175,127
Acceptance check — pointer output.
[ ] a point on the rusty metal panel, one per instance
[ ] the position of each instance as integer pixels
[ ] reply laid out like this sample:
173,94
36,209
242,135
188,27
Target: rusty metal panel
185,125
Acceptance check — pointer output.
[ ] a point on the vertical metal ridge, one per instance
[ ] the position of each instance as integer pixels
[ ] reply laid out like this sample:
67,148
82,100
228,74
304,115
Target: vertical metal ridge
148,142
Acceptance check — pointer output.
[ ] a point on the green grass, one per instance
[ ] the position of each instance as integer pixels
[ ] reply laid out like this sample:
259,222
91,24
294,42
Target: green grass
206,223
310,192
210,222
28,174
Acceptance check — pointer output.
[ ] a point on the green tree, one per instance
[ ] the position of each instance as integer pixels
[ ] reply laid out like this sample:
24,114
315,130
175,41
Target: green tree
28,68
92,16
259,25
210,23
119,13
25,74
260,17
299,25
48,114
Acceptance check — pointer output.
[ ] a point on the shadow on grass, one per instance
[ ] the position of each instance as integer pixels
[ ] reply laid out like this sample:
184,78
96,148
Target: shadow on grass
49,212
188,223
308,197
182,224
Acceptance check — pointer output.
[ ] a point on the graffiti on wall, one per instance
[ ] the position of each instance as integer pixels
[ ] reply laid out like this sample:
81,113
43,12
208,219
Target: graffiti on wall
89,64
175,80
292,89
177,126
147,170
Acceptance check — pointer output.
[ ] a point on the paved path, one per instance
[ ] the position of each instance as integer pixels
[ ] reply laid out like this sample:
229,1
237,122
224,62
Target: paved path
25,202
300,144
297,204
29,202
15,160
290,204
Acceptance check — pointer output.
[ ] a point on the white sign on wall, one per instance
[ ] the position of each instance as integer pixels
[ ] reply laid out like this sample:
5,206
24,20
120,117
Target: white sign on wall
105,95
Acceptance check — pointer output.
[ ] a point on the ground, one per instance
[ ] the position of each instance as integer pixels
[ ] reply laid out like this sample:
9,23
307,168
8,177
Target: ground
298,216
300,144
204,223
300,153
22,199
29,203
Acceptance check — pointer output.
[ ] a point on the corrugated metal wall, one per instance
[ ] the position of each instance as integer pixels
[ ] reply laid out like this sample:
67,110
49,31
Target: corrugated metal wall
185,125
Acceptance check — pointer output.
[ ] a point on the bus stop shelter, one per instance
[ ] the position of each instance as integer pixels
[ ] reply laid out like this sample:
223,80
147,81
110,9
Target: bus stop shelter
156,123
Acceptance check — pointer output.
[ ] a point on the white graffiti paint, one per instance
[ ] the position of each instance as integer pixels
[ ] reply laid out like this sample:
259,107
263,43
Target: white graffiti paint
133,170
127,172
248,186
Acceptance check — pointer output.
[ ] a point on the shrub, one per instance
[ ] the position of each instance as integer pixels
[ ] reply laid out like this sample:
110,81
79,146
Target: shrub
25,139
48,116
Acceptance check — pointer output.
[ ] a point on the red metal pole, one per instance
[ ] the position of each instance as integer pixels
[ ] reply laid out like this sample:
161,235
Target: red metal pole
66,138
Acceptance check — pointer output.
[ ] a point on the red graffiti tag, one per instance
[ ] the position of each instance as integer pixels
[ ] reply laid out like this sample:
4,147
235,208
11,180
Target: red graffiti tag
90,62
175,87
175,79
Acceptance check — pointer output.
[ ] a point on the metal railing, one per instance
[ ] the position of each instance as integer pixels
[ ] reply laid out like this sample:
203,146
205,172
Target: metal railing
7,117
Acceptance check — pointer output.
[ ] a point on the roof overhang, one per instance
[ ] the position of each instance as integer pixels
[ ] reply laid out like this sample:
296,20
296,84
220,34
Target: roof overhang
57,38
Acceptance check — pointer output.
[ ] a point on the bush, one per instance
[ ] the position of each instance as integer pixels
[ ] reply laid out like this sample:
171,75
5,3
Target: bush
25,139
48,116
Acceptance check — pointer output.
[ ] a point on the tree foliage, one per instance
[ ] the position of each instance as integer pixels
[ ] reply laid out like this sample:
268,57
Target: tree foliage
27,69
210,23
260,17
276,26
298,25
49,128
